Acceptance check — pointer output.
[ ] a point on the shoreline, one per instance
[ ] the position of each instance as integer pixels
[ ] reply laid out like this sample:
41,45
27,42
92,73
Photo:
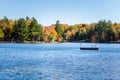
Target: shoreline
37,42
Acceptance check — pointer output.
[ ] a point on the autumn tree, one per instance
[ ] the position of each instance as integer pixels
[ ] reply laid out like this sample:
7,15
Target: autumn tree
53,35
1,34
49,34
116,28
71,32
68,35
5,28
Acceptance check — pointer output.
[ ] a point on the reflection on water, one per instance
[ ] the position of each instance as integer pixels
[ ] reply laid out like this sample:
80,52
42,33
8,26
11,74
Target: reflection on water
59,62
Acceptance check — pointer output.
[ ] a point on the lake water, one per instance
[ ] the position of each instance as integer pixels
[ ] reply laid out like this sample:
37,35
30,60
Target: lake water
63,61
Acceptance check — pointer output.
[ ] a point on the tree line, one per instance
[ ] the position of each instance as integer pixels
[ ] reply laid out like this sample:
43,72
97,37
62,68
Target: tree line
29,30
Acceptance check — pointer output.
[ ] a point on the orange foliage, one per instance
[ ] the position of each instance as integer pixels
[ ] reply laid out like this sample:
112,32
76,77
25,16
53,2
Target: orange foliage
28,22
49,31
93,38
68,35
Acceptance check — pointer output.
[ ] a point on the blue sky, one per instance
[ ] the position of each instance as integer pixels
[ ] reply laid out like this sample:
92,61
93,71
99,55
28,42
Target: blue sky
67,11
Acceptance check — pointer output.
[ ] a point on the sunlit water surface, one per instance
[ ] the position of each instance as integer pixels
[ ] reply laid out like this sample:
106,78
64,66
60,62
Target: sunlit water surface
63,61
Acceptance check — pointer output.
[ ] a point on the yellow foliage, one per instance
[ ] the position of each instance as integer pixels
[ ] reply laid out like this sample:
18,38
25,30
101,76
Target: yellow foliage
10,25
1,34
54,34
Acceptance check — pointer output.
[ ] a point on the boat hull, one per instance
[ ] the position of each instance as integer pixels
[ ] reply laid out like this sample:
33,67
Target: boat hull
89,48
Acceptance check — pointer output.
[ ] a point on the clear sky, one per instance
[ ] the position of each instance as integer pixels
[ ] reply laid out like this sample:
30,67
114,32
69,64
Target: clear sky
67,11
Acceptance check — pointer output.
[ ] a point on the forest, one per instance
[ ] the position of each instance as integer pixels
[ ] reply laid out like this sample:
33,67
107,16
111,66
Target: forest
29,30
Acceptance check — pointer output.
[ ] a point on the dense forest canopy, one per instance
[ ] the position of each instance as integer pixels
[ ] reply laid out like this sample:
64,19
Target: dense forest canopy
29,30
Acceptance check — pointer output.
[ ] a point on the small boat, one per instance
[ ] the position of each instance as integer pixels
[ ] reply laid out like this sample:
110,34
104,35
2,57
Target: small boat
89,48
93,47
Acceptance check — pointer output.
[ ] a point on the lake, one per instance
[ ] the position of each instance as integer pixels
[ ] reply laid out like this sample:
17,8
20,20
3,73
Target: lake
64,61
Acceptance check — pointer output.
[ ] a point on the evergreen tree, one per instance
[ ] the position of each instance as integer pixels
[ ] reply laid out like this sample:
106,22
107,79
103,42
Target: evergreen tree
59,30
20,30
34,30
